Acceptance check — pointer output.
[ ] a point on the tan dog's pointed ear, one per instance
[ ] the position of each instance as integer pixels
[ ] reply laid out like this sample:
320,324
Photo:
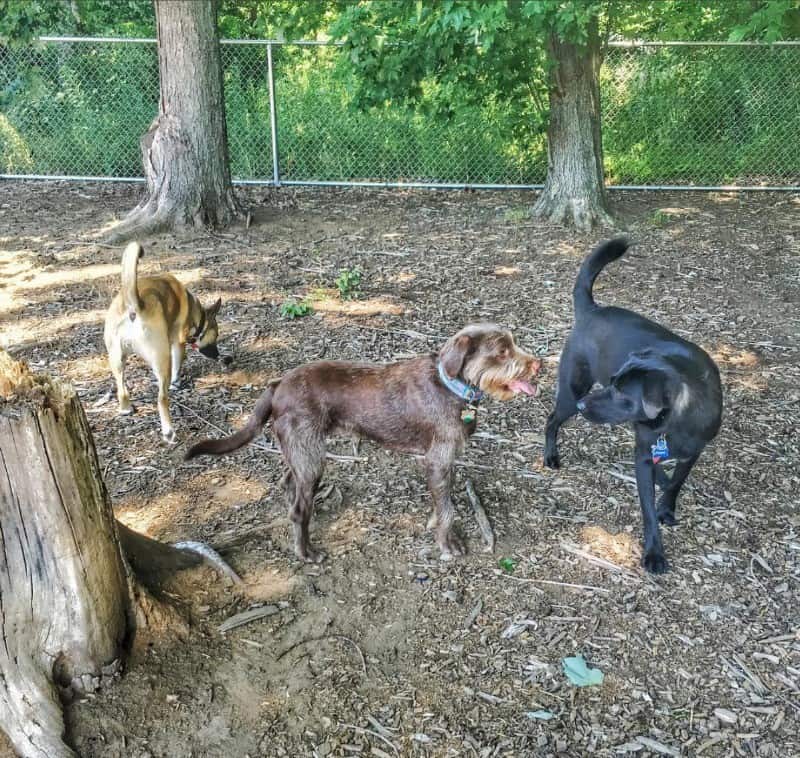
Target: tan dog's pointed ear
453,354
214,309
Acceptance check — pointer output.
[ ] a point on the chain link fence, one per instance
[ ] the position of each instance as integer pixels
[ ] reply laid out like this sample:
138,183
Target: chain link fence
674,114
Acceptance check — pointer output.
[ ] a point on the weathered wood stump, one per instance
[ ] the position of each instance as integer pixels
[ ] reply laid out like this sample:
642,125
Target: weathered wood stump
69,601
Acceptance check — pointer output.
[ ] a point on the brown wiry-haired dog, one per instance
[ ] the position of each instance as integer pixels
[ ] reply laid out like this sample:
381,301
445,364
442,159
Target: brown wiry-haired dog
423,406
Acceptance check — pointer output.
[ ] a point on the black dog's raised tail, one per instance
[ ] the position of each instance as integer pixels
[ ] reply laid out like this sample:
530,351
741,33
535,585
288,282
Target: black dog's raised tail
593,264
246,434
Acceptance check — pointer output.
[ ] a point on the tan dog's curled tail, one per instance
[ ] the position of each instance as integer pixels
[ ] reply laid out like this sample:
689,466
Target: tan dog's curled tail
246,434
130,291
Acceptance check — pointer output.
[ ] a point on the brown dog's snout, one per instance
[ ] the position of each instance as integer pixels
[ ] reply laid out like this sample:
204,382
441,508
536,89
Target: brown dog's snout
535,366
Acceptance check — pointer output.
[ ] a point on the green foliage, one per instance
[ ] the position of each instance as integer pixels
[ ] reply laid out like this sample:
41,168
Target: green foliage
659,218
348,283
291,309
507,564
517,215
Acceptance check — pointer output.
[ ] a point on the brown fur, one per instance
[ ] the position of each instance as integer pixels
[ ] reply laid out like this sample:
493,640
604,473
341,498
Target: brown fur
154,317
402,406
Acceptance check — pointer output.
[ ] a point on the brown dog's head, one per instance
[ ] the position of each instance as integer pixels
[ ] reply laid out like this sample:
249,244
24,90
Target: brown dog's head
485,356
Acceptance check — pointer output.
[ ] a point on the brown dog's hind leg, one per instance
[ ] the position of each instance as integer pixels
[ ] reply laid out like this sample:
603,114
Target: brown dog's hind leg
304,454
438,471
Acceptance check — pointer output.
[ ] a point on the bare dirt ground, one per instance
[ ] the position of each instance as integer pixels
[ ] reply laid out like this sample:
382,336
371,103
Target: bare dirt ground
382,650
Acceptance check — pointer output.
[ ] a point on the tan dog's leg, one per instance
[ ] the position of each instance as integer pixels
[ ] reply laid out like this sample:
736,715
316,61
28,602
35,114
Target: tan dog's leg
116,359
160,359
178,351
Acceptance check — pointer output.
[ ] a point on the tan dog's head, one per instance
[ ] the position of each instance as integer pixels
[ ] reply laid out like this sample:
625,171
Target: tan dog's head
486,356
206,339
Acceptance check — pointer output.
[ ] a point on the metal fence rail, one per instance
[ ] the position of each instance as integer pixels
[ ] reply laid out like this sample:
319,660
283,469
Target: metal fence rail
675,115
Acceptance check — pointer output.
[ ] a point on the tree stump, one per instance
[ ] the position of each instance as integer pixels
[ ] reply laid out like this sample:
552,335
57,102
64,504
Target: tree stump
68,599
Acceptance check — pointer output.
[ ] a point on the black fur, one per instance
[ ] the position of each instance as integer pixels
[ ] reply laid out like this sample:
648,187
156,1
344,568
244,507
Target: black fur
650,377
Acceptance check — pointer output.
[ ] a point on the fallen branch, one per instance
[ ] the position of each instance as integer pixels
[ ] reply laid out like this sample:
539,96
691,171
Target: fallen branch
246,617
481,518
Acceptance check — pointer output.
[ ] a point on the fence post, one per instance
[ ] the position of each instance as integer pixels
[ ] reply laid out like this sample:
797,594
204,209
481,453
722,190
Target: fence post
273,118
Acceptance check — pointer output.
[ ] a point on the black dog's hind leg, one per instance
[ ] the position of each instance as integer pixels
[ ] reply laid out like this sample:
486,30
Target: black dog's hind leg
653,558
573,383
671,488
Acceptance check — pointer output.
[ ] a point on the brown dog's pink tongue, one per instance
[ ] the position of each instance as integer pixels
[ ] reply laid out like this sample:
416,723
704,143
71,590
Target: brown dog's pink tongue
518,385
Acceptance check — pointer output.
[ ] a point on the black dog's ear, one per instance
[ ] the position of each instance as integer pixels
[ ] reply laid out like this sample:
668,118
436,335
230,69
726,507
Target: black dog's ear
656,371
654,394
454,353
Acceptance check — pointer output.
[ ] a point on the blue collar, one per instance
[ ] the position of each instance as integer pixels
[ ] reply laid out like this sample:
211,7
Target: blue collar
462,389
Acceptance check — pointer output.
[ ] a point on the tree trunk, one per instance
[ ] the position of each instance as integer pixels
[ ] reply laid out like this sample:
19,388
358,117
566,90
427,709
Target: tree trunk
68,600
185,151
574,190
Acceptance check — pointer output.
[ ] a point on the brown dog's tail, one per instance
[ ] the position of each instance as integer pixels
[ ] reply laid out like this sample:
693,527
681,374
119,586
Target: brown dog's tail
246,434
130,266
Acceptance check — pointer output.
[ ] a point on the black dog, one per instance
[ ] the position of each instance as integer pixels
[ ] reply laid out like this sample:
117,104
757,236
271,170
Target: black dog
667,387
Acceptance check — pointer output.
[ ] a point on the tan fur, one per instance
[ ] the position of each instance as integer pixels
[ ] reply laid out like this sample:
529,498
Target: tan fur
153,317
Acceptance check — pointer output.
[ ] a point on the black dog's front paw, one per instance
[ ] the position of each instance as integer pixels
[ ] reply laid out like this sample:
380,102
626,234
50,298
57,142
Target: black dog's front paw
552,459
666,516
655,563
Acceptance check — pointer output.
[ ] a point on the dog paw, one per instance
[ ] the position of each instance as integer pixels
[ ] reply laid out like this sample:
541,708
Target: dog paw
451,547
552,460
313,556
667,517
125,410
177,385
169,437
655,563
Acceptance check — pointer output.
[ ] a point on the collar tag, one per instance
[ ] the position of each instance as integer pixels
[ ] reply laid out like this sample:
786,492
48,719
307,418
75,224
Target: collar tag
465,391
660,451
469,414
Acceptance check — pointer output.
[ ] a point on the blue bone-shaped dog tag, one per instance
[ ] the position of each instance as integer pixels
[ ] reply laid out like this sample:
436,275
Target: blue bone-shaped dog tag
660,451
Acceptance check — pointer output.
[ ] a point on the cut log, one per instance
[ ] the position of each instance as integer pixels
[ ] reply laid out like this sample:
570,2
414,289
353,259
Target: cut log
69,601
63,585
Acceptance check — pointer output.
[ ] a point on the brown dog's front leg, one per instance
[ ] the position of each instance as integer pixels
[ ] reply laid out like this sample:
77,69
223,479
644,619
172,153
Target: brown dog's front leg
438,468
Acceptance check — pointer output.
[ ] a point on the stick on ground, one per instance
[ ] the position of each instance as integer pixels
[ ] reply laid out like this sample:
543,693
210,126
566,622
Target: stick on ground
481,518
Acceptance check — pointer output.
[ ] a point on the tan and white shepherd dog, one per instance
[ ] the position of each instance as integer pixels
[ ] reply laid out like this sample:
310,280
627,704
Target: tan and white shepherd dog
155,317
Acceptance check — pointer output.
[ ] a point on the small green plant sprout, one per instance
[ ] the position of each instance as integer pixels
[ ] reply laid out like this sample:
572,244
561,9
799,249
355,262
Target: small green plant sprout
517,215
508,565
348,283
292,309
659,218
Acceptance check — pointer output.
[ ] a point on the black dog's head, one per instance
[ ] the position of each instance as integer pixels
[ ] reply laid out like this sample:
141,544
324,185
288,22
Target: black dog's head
645,387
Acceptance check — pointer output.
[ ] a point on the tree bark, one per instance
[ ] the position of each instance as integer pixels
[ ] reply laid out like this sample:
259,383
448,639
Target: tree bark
574,190
185,151
69,602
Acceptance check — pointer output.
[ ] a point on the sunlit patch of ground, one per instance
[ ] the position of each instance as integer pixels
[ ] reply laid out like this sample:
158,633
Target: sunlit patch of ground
32,329
221,491
92,368
622,549
267,584
507,271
